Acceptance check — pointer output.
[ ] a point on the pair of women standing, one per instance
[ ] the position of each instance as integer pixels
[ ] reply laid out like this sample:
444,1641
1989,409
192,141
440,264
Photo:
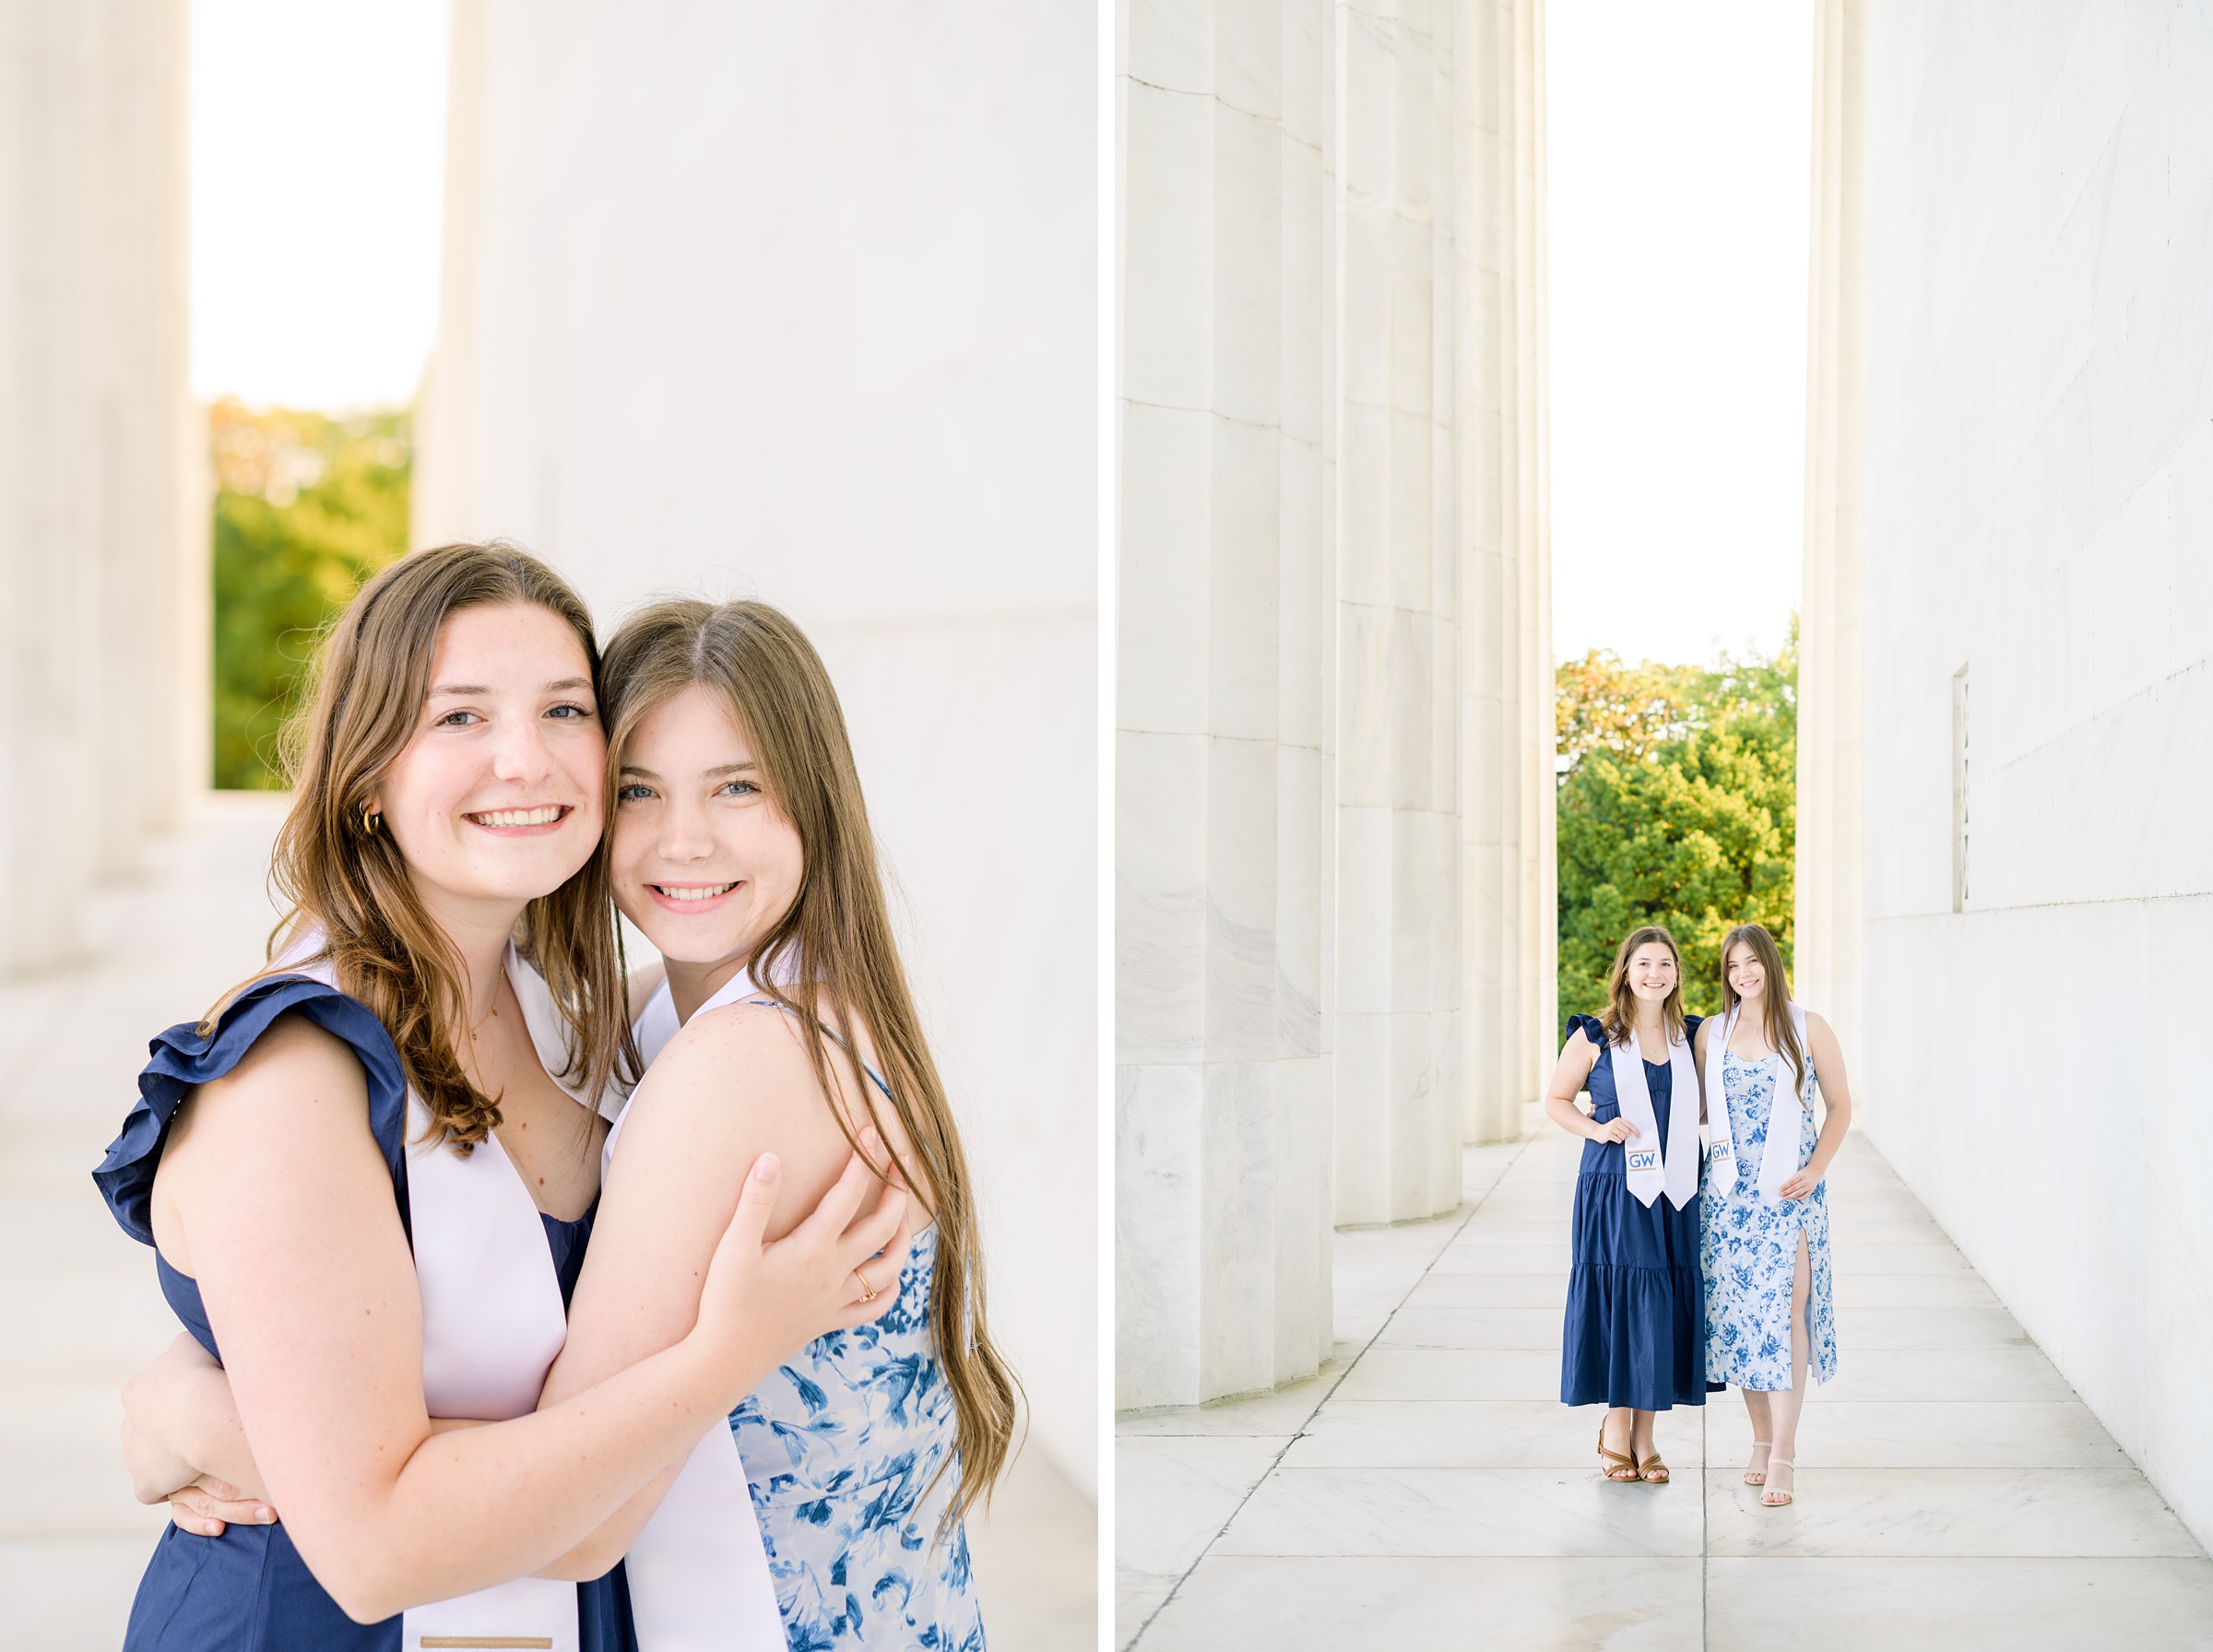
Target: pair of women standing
1695,1268
371,1173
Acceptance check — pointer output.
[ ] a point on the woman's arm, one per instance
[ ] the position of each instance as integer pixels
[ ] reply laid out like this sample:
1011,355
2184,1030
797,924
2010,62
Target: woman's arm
733,1083
1836,1096
1698,1059
275,1196
1568,1081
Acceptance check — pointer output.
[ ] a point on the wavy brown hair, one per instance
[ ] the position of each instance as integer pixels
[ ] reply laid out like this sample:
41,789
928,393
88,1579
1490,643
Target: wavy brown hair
833,958
1775,1022
334,877
1620,1019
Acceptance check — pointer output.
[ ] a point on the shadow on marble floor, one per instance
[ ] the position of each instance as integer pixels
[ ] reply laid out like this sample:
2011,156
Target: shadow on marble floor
82,1309
1427,1488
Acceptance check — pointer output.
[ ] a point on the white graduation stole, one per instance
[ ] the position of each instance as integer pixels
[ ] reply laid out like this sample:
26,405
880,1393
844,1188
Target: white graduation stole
493,1320
1651,1172
1778,1161
699,1573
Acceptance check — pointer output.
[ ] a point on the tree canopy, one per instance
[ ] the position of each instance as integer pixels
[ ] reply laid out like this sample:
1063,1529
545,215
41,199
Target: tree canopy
1677,806
306,508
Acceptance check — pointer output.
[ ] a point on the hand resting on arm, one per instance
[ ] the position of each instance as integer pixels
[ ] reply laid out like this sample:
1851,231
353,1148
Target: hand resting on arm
273,1196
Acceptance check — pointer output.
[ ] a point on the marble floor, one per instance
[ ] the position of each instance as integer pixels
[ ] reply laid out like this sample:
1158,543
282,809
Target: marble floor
81,1309
1427,1488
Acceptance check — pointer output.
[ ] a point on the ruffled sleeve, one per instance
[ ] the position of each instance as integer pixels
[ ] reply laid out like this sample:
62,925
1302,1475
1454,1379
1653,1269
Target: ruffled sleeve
1590,1031
183,1058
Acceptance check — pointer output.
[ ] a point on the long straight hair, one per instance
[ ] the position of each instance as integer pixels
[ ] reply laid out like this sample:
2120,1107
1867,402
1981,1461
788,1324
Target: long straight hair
1620,1019
1775,1021
832,956
336,876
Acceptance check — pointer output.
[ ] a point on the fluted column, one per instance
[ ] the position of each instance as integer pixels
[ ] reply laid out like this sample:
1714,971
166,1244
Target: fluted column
1831,643
1224,785
1334,791
1397,614
95,435
1506,657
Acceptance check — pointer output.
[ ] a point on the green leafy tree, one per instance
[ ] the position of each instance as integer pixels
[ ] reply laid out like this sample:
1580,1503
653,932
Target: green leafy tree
306,508
1677,806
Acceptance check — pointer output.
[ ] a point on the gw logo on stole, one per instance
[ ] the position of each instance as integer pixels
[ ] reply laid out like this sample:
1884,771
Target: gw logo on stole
1644,1158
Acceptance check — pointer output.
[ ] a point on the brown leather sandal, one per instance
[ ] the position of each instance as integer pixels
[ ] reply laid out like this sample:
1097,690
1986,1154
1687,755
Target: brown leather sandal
1612,1464
1651,1469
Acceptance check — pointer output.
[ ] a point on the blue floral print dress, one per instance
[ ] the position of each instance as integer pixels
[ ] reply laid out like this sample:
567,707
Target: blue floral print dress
1748,1246
842,1447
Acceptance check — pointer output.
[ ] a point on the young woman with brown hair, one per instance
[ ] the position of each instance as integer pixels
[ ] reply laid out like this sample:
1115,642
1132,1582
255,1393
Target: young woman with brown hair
1634,1335
740,845
368,1174
1763,1241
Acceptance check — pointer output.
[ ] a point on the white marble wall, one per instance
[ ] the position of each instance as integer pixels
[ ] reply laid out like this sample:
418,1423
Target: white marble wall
97,611
742,302
1331,375
2040,511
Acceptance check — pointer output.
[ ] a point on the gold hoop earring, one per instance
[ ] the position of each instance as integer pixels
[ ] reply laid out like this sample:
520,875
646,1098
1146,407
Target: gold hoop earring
371,819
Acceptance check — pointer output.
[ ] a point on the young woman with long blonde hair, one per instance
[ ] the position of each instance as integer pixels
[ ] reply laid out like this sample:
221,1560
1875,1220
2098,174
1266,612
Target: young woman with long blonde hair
1634,1333
1764,1231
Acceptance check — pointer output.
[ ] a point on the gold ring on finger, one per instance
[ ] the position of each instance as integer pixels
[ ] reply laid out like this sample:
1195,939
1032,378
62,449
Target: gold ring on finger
868,1293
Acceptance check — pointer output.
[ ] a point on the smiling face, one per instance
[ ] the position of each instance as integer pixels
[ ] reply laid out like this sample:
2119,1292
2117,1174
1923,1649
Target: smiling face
496,800
1748,977
704,861
1653,971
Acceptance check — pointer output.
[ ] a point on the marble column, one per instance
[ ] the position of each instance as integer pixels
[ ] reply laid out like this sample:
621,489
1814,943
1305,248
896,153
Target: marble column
96,453
1397,617
1223,766
1333,930
1831,691
1506,733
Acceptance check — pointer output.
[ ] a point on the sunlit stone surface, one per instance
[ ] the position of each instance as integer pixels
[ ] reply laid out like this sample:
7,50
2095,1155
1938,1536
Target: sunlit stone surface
101,619
1427,1488
2040,685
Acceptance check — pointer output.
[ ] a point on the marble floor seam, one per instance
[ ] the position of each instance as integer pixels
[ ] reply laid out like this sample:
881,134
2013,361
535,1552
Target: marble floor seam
1468,1216
1949,1465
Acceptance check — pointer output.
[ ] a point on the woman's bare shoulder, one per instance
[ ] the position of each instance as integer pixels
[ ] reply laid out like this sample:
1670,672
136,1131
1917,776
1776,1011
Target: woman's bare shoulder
744,1053
295,1062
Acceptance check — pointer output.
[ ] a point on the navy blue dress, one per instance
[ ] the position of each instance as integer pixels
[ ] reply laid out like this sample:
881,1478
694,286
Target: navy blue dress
1635,1331
248,1590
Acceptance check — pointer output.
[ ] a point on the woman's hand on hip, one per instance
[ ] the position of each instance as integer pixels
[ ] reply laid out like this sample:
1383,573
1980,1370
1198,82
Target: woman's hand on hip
170,1411
1800,1184
1615,1129
209,1506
